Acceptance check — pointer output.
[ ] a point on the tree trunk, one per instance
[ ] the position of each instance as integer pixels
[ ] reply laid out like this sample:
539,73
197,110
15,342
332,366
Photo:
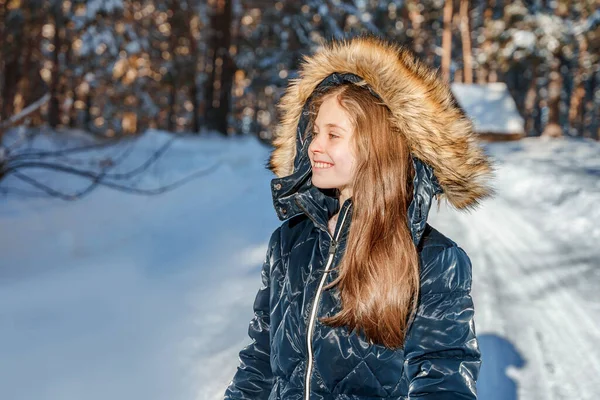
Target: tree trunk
218,87
530,101
192,71
54,109
12,75
414,14
553,127
594,102
578,96
447,40
88,110
171,113
72,82
466,41
195,104
68,82
174,70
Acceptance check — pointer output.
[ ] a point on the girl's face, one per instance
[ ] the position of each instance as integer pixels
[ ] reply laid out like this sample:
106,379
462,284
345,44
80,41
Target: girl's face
330,151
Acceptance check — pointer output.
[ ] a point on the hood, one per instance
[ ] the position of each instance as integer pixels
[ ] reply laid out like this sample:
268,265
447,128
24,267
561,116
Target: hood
448,159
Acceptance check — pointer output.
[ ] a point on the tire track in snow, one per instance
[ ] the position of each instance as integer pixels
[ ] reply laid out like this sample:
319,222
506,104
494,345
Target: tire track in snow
555,280
511,305
563,319
541,315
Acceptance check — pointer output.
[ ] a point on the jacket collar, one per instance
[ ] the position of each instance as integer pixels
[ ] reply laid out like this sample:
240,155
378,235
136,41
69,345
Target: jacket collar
295,194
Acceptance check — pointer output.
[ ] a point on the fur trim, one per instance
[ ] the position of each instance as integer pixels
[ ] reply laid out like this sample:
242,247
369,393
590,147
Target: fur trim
423,108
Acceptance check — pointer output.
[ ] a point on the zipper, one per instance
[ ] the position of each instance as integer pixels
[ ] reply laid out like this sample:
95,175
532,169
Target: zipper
313,314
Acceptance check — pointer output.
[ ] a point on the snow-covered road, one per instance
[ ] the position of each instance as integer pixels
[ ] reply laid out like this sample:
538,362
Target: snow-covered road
123,297
537,309
536,267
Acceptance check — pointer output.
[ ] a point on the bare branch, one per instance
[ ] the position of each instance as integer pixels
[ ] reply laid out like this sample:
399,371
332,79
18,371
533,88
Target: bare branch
146,164
98,181
60,162
56,153
26,111
25,193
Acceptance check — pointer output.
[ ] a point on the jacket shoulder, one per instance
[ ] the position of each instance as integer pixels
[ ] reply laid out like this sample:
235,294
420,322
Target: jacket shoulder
295,231
445,266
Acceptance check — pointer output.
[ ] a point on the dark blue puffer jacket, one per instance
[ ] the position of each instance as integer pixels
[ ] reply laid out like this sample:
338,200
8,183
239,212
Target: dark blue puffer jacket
293,356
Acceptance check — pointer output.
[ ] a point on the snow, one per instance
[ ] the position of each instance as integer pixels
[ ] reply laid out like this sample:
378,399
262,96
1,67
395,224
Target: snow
490,106
566,187
113,296
553,29
525,39
93,7
93,38
133,47
124,296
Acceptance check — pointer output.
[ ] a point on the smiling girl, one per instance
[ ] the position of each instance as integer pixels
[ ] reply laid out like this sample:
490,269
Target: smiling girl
361,298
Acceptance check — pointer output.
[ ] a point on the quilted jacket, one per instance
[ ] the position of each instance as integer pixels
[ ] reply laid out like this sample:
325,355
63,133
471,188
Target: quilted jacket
293,356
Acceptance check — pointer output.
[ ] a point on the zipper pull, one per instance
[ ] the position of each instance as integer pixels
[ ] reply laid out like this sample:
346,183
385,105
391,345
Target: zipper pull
332,247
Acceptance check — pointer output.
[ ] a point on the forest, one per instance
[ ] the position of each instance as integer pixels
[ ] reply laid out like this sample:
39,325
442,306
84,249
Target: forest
117,68
136,207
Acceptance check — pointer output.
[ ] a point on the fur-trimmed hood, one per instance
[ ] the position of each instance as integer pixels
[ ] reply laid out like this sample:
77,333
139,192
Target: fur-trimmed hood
423,108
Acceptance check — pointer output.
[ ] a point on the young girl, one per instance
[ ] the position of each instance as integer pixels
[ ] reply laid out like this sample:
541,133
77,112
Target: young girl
361,298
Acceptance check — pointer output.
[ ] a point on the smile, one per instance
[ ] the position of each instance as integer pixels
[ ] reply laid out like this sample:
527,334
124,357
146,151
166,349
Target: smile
322,165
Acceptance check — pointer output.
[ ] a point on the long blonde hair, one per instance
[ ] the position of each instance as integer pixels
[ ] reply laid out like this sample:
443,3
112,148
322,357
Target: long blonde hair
379,272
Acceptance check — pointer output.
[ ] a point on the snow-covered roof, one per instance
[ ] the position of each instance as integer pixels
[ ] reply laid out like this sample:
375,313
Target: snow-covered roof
491,107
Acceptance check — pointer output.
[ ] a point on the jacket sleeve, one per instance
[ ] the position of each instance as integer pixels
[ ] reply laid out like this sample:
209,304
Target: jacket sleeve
441,349
254,378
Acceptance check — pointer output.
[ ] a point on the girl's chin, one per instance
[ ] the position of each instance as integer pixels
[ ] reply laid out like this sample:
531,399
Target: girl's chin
323,185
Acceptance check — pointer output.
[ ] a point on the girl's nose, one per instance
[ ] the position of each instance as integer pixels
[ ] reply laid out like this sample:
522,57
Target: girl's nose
315,145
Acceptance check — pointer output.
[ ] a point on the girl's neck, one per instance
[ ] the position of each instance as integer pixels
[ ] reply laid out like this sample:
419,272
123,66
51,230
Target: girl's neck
344,195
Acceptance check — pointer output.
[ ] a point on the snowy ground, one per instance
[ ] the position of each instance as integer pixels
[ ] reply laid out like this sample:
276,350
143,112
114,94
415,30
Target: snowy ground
117,296
536,267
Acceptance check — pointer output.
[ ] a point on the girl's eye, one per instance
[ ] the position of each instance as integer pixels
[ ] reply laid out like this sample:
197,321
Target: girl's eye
331,135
